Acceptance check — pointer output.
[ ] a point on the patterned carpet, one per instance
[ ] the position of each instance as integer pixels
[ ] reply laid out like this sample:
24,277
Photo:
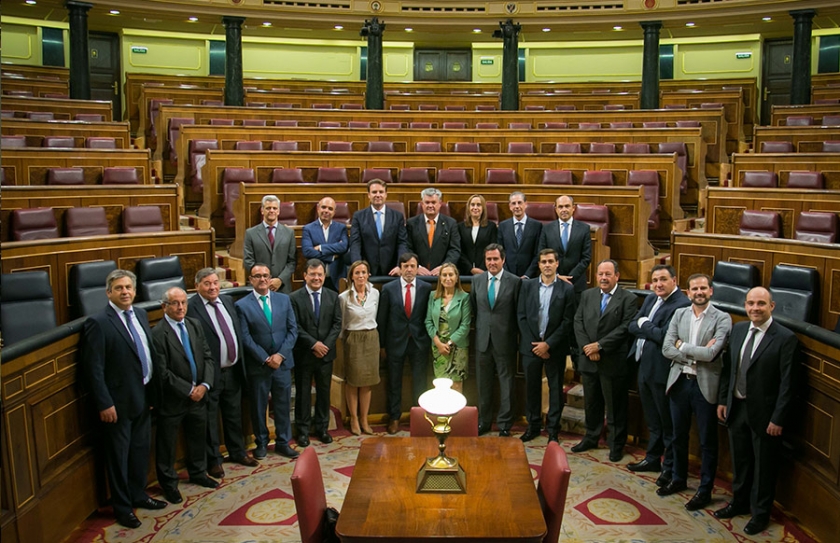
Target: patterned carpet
606,503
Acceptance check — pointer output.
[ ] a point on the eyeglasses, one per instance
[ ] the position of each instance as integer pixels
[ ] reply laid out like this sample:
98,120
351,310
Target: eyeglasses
261,276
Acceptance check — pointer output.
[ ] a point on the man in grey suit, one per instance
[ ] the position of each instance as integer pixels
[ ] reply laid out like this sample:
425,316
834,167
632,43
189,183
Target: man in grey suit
571,240
694,343
273,244
496,328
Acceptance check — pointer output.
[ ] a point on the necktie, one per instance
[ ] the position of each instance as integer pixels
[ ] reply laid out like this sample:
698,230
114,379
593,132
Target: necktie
431,224
379,224
491,292
138,343
564,235
266,309
741,384
316,297
640,343
271,236
229,342
518,234
408,300
605,299
185,340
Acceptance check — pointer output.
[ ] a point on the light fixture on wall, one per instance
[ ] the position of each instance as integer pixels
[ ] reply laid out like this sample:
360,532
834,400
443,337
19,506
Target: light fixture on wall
476,31
267,23
113,12
690,25
193,19
546,30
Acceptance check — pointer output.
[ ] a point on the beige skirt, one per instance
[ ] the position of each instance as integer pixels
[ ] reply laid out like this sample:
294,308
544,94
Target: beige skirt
361,362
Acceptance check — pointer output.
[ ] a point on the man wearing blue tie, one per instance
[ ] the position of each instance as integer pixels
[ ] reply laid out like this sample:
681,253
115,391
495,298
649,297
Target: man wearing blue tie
571,240
184,369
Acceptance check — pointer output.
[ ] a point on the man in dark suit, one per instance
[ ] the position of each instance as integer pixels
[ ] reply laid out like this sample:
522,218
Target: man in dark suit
571,240
648,329
269,332
318,317
326,240
402,333
757,388
520,236
377,233
118,362
496,327
184,369
217,316
601,323
433,237
546,312
273,244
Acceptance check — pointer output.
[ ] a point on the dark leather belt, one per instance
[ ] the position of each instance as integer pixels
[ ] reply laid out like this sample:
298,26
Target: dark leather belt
690,376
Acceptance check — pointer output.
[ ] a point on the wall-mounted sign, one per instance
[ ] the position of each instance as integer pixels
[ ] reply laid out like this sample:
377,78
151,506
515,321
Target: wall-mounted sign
487,61
140,50
743,55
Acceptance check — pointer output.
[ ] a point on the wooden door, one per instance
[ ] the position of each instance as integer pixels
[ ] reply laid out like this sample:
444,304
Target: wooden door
105,72
775,75
442,65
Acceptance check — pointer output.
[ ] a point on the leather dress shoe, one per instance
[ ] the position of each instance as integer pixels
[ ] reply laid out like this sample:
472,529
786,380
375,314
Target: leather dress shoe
246,461
584,446
756,525
645,465
671,488
663,480
216,471
325,437
172,496
150,503
285,450
303,440
553,437
483,430
530,434
616,456
205,481
730,511
129,520
504,433
260,452
393,427
699,501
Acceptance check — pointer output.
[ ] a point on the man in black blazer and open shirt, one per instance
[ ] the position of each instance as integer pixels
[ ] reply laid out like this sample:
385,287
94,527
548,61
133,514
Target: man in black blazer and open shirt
520,236
377,233
433,237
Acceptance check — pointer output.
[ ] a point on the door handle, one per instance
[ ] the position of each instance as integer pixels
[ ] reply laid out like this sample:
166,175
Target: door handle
116,88
766,93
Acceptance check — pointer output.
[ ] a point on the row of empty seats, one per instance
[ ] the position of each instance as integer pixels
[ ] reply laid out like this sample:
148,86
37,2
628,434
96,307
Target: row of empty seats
116,175
808,120
796,179
59,142
50,116
813,226
31,94
40,222
788,147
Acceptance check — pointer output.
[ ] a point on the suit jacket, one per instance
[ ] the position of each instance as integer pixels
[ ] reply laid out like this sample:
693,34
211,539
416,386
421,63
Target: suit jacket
771,377
365,244
325,330
172,368
198,311
521,260
446,245
395,329
561,314
575,259
707,360
112,366
332,250
472,252
459,315
261,339
280,259
608,329
501,321
653,365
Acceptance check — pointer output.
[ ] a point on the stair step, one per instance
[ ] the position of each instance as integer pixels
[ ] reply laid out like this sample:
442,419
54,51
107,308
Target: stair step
572,420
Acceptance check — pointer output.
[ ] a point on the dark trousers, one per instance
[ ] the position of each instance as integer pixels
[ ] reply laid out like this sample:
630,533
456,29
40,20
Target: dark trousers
305,371
755,462
225,399
685,397
658,417
194,423
489,363
419,360
279,384
533,368
128,443
605,393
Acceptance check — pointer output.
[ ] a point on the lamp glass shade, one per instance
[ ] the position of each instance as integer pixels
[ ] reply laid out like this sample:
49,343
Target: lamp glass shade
442,400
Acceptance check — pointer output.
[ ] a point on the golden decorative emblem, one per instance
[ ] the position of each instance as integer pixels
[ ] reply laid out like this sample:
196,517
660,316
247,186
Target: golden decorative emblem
376,6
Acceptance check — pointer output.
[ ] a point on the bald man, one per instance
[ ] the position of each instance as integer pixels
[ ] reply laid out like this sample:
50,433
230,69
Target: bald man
327,241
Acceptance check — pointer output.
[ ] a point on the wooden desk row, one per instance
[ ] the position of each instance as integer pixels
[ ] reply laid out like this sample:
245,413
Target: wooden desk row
37,86
779,114
27,70
29,166
784,163
114,198
825,93
63,108
36,131
805,139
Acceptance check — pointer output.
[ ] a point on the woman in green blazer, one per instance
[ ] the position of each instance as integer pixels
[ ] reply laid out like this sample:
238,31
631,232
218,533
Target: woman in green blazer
448,323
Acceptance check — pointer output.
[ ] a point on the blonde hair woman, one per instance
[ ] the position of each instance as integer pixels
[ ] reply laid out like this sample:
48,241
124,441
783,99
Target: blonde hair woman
448,323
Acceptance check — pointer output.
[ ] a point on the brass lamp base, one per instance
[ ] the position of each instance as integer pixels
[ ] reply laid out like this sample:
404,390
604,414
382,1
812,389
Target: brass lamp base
442,477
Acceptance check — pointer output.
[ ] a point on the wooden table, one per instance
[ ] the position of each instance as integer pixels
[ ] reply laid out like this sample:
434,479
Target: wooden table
500,504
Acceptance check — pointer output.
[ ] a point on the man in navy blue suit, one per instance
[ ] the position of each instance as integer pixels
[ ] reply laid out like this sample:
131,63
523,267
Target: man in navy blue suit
118,358
402,333
377,233
571,240
433,236
326,240
269,332
520,236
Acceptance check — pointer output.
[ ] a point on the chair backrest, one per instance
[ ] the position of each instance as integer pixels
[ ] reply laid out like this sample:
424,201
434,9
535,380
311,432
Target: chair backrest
452,175
120,175
238,175
535,107
287,175
500,176
485,107
358,124
40,116
711,105
399,107
341,146
597,177
565,107
654,124
88,117
589,126
420,125
636,148
831,147
310,497
553,488
622,124
614,107
463,424
139,219
830,120
427,147
352,106
796,291
805,180
86,221
34,223
413,175
557,177
12,142
816,226
231,192
453,125
487,126
287,214
65,176
331,175
555,125
284,146
329,124
688,124
322,106
466,147
27,307
762,224
492,212
383,174
428,107
399,207
541,211
454,108
100,143
682,159
390,124
214,103
253,145
58,142
799,120
156,275
567,148
519,126
595,215
221,122
86,283
732,281
520,147
776,147
254,122
649,179
760,179
282,105
601,147
380,146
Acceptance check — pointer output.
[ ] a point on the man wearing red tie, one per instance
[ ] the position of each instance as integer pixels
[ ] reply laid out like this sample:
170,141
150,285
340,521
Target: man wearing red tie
273,244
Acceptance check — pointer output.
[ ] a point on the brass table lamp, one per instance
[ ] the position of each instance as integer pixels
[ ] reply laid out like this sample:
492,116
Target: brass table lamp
441,473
